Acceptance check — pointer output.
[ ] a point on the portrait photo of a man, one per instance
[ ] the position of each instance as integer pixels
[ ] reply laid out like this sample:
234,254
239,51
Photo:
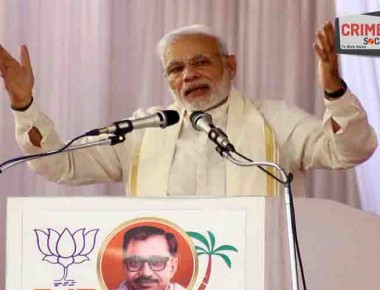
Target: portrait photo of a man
149,259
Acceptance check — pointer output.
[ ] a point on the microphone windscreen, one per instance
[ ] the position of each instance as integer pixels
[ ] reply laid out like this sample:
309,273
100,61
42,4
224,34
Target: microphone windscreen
172,117
197,116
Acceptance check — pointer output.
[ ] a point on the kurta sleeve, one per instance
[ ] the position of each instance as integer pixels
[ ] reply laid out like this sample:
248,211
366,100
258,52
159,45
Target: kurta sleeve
306,141
84,166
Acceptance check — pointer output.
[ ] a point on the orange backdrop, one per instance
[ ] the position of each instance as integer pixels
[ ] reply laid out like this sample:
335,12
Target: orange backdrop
112,259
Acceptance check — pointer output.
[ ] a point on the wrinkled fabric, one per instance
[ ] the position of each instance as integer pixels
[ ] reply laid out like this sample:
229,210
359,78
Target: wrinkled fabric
304,142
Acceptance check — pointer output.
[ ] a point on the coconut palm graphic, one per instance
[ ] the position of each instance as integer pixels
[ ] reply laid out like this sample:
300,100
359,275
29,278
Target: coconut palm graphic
210,250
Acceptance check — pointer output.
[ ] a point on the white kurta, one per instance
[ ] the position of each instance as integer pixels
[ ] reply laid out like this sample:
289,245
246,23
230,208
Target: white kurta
171,286
156,162
197,168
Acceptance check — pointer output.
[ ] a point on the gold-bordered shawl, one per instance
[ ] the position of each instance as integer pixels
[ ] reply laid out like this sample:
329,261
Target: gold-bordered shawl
247,130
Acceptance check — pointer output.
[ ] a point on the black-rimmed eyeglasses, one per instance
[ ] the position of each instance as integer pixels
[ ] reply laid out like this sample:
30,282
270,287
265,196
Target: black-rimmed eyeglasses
136,263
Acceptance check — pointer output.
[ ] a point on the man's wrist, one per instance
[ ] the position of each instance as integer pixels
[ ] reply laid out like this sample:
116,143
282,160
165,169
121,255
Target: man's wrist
22,108
336,94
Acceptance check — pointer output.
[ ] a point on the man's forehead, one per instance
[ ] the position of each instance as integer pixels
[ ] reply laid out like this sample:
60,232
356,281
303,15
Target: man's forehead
188,46
153,245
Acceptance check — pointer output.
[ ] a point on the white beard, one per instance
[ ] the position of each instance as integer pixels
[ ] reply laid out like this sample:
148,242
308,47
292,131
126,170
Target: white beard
219,94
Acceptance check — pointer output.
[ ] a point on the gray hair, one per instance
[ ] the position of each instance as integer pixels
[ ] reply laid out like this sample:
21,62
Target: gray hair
197,29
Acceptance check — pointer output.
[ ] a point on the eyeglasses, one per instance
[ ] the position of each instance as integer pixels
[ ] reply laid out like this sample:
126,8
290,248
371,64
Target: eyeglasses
200,61
136,263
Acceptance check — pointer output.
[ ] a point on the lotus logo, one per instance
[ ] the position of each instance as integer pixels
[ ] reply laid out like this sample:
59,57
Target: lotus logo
66,249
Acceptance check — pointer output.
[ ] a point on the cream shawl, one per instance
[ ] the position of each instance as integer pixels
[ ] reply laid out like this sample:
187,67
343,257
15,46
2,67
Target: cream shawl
247,130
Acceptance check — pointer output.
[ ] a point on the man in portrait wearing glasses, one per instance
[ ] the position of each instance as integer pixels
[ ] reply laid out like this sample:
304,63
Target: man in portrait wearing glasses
150,259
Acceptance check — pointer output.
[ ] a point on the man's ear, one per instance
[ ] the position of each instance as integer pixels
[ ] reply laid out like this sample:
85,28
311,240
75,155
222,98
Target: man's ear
174,265
231,65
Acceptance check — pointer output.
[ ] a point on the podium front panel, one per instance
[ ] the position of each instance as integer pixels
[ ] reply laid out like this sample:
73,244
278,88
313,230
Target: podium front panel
77,243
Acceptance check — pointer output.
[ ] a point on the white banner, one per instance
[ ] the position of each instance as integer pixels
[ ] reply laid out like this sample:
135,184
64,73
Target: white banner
120,243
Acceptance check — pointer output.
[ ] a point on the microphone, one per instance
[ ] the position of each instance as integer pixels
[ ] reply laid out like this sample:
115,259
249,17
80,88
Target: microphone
160,119
202,121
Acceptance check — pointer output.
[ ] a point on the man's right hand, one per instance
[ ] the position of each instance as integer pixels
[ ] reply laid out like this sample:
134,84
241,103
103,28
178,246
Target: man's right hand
18,77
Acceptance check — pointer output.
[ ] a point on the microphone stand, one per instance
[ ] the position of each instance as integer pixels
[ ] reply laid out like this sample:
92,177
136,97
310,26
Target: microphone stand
286,182
110,140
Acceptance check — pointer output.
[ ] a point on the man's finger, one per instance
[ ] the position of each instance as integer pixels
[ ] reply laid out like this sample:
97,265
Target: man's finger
2,51
322,55
25,58
3,58
4,54
6,60
3,67
330,34
326,45
323,41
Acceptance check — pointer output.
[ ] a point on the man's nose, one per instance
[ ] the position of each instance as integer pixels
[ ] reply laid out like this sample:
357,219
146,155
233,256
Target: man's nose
190,73
146,270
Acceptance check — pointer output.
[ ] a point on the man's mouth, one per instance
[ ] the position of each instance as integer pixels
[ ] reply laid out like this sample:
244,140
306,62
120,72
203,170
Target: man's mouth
196,90
146,285
145,281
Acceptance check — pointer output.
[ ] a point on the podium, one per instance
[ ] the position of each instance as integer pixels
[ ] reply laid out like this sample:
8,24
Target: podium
76,243
340,246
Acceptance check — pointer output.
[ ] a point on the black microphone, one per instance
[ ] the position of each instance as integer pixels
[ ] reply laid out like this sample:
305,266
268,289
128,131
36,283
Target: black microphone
202,121
160,119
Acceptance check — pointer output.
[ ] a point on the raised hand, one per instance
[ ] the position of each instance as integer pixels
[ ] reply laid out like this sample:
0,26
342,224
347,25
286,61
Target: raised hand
328,68
18,77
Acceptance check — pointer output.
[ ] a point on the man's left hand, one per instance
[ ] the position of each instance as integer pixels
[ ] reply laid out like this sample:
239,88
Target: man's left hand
328,68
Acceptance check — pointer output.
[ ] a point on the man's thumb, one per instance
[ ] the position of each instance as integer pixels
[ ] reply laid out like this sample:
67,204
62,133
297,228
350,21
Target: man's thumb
25,58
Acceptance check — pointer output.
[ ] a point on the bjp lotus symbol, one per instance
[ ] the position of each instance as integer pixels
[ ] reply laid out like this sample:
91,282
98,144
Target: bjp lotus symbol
66,248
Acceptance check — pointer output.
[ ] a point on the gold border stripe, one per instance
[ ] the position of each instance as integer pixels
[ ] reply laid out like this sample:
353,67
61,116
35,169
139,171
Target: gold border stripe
134,172
271,152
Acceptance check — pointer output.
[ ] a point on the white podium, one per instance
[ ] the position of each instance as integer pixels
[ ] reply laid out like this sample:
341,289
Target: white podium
76,243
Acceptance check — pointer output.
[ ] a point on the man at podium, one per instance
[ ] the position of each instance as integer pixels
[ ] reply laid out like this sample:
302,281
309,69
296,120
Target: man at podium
181,161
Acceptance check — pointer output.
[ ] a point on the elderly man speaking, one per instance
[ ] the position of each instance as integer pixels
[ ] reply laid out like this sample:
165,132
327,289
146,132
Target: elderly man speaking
180,161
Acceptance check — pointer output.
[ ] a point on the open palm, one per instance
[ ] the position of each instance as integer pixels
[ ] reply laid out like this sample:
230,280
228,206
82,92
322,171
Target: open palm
18,76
